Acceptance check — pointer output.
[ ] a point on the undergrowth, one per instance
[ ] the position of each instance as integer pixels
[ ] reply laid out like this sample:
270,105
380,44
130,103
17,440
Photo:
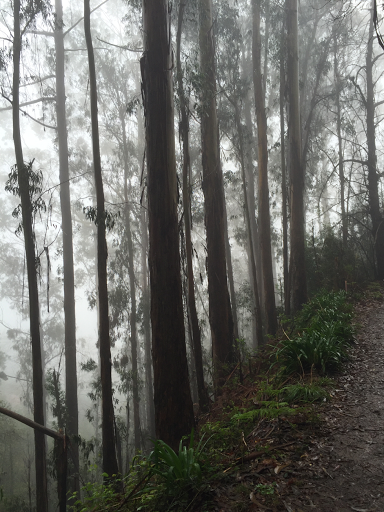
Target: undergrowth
282,393
322,332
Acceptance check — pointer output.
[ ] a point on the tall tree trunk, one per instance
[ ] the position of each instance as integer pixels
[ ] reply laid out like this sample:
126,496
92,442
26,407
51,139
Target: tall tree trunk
231,281
266,46
284,174
220,314
173,404
29,242
191,300
132,288
69,280
249,144
298,277
109,442
259,340
373,191
150,409
147,327
264,215
344,220
313,103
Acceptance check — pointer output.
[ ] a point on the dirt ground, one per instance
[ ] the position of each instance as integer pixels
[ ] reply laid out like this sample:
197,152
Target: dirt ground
348,459
338,466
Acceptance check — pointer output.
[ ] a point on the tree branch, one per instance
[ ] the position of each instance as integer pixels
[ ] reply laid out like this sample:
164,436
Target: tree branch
48,98
33,424
125,47
81,19
37,121
38,81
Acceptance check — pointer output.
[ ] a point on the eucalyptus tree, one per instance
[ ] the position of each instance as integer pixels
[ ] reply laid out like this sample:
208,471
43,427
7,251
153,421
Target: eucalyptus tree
28,182
108,435
191,301
234,88
118,104
172,396
298,278
220,315
373,180
263,196
71,401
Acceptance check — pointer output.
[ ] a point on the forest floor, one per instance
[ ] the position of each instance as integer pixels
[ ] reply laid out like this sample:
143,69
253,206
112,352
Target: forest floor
334,464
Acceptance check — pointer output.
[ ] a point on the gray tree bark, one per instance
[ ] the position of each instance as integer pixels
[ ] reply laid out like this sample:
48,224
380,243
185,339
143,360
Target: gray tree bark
68,271
108,435
298,277
29,241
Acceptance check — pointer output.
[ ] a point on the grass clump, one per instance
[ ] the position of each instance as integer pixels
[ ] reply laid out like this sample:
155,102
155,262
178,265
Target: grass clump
306,393
323,330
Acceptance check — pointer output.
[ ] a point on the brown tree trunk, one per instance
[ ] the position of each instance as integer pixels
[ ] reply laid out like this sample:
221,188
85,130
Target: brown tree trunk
263,197
108,436
173,403
191,300
29,241
373,191
220,314
298,278
72,423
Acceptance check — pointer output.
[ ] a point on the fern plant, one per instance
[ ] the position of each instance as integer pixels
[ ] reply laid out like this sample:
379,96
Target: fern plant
177,468
269,409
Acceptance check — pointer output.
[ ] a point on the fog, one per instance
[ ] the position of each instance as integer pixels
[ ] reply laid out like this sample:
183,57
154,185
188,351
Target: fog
340,229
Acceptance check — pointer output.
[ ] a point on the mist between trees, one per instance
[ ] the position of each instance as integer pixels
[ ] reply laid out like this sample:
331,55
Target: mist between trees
174,177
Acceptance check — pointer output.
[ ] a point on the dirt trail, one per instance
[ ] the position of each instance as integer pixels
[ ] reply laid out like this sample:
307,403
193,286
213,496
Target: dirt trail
343,470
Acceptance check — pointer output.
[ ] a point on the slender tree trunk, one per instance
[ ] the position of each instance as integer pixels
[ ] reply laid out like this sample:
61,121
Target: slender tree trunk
173,404
249,144
147,328
314,102
69,280
150,410
29,241
231,281
132,287
191,300
266,46
255,286
109,442
284,174
344,220
220,314
298,277
373,191
264,215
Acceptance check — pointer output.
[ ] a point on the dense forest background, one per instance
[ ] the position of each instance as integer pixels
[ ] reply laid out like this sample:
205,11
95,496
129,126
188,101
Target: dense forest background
245,134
